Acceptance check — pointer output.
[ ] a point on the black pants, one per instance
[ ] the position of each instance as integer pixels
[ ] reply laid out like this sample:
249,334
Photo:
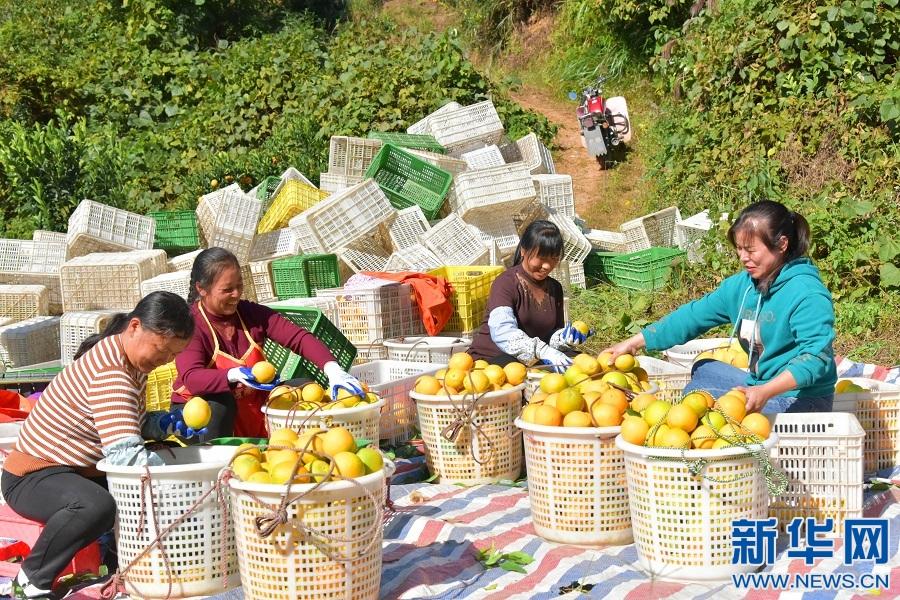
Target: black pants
223,410
75,511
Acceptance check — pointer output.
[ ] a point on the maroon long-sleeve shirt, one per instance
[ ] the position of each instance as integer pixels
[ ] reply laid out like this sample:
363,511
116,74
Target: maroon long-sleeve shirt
262,322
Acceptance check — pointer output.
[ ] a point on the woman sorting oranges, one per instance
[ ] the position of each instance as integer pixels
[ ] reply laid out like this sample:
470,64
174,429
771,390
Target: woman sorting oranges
227,343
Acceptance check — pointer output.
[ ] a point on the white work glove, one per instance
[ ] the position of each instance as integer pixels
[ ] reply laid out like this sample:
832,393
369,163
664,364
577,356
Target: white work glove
244,375
558,361
338,379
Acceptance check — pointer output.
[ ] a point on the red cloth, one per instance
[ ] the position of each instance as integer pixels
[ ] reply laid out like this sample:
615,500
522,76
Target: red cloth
432,296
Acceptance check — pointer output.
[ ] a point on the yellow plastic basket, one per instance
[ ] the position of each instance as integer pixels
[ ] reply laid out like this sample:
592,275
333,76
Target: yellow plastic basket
158,394
471,288
292,199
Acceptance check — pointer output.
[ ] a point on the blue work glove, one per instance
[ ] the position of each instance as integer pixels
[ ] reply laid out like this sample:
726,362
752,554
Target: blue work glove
244,375
340,379
558,361
569,336
172,423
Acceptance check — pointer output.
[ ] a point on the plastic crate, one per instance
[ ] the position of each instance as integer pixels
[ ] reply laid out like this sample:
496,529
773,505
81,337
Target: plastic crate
75,327
347,216
407,229
24,262
498,228
409,181
576,484
555,192
327,305
467,127
822,456
878,412
370,253
176,231
228,219
261,276
20,302
374,313
535,155
335,182
471,288
274,244
249,293
452,165
507,189
178,282
417,141
31,341
266,191
484,158
182,262
301,276
158,393
606,241
425,349
109,280
646,270
416,258
42,235
669,378
291,365
422,126
351,156
96,227
453,242
598,265
563,276
292,198
690,232
528,214
366,353
653,230
392,381
576,247
577,276
685,354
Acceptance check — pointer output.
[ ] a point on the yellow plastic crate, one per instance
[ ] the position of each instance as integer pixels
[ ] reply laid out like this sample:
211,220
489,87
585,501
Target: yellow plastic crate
292,199
471,288
158,395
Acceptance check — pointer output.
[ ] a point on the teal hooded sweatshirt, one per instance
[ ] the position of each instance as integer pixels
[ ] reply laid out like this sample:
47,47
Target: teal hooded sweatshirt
794,326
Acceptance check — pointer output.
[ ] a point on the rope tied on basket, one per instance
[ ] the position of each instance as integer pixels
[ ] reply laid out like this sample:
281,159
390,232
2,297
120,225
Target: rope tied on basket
464,416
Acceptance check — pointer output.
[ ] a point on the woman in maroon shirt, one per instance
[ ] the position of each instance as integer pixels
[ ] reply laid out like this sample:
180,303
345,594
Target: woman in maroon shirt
524,316
228,340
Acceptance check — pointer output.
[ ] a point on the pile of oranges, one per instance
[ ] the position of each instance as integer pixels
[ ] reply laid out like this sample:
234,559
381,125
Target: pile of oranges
465,375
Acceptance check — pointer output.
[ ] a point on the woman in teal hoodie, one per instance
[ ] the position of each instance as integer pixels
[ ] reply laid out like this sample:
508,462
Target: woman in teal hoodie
781,311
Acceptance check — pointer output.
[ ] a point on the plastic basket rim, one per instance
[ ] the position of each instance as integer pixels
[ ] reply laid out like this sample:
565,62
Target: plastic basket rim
335,412
646,452
418,343
140,471
451,400
328,486
584,433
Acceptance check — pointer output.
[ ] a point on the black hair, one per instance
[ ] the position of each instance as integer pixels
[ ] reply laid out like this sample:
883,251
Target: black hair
542,236
207,266
770,221
163,313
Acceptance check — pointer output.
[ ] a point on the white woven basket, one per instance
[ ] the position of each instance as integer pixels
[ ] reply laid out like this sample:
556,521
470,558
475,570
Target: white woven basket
670,379
42,235
497,228
685,354
576,484
425,349
362,421
75,327
274,244
96,227
198,548
689,233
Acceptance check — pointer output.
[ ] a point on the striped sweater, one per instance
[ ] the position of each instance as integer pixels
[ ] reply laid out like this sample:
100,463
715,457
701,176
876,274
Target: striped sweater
94,402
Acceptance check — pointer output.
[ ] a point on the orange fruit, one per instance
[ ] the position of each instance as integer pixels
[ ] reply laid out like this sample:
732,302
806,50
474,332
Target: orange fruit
336,440
634,430
528,413
675,437
683,417
641,374
538,396
625,362
264,371
312,441
312,392
605,360
642,401
461,361
196,413
454,378
605,415
476,382
577,418
656,412
480,364
569,400
551,399
426,384
616,398
495,374
586,364
515,373
553,382
758,424
281,473
740,394
658,434
697,402
732,406
348,464
703,437
547,415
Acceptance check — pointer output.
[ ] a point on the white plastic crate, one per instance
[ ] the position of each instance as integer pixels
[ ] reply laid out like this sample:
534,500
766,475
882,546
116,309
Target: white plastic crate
328,306
178,282
606,241
24,262
822,456
556,192
347,216
467,127
351,156
690,232
576,247
392,381
31,341
415,258
247,279
528,214
372,314
452,165
425,349
261,278
562,275
183,262
535,155
110,280
335,182
422,126
20,302
453,242
75,327
576,275
483,158
368,253
96,227
685,354
366,353
878,411
654,230
42,235
499,228
495,257
274,244
507,189
228,219
669,378
407,229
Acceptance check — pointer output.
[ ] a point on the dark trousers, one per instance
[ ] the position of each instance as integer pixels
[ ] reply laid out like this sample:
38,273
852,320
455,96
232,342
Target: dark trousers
75,511
223,409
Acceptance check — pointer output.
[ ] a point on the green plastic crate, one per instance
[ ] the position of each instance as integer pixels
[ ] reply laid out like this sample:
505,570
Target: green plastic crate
176,231
416,141
300,276
265,193
291,365
646,270
407,180
598,265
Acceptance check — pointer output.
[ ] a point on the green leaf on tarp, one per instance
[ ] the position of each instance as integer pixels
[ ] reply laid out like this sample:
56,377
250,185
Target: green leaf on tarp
510,565
489,588
520,557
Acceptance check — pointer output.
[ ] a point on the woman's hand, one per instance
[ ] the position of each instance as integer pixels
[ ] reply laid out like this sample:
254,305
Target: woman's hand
569,336
244,376
629,346
757,396
339,379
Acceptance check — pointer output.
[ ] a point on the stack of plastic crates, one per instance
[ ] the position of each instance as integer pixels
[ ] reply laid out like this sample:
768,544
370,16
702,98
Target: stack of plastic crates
20,302
467,128
261,278
406,230
422,126
178,282
276,243
471,288
485,192
877,407
291,365
28,342
653,230
535,155
497,228
370,253
415,258
300,276
484,158
556,192
646,270
95,227
176,231
24,262
412,141
291,199
42,235
182,262
110,280
228,219
158,393
266,191
374,313
75,327
409,181
454,242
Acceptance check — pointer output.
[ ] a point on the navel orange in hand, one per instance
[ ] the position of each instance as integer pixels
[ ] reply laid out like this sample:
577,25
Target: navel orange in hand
732,406
196,413
264,371
757,423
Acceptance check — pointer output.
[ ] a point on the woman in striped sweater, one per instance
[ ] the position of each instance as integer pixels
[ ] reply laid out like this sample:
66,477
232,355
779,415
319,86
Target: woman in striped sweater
94,409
